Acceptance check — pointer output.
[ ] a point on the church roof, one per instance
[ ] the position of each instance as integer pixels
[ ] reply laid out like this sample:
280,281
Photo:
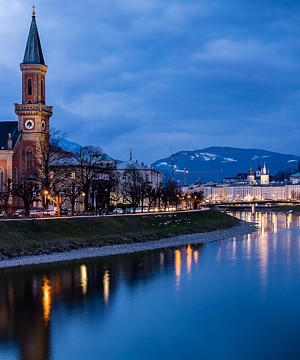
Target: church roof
33,52
7,127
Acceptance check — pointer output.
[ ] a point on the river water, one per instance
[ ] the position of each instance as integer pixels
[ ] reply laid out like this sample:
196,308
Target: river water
234,299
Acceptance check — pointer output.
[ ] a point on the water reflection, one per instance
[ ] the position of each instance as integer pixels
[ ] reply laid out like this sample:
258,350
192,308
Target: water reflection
196,256
83,278
46,289
34,295
245,269
177,267
106,286
189,254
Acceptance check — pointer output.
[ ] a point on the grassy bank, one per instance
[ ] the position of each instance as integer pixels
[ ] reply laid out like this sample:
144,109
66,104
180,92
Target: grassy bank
286,208
26,237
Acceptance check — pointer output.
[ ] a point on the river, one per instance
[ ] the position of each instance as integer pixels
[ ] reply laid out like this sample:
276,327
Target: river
234,299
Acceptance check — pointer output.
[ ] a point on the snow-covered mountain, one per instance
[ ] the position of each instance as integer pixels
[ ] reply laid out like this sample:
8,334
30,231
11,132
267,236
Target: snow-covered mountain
69,145
215,163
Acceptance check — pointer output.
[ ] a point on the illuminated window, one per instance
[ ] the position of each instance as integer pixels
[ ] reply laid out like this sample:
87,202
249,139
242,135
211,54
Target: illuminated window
1,179
29,159
15,176
29,87
42,88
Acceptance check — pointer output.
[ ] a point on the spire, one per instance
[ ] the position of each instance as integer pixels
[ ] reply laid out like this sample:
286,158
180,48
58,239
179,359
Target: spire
33,52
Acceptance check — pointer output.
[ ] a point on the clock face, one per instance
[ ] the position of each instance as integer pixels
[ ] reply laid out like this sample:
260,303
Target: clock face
43,125
29,124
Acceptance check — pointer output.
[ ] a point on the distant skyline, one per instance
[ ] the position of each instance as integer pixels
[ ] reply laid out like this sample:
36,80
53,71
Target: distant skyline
153,75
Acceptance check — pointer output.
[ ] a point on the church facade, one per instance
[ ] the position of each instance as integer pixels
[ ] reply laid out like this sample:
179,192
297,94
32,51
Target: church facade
21,140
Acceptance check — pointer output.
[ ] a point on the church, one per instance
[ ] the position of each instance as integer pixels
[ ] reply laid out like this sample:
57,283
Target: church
21,139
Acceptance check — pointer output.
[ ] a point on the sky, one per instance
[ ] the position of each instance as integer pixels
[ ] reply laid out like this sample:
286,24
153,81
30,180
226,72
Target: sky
155,75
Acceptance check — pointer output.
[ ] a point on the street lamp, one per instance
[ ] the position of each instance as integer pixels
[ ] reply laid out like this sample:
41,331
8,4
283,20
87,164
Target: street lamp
46,196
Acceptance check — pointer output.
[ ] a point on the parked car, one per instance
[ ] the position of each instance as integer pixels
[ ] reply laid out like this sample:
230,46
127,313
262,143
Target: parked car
63,211
117,211
49,212
70,211
2,214
19,213
36,213
140,209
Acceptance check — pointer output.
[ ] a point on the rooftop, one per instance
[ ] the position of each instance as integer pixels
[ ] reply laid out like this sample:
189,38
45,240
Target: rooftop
33,52
8,127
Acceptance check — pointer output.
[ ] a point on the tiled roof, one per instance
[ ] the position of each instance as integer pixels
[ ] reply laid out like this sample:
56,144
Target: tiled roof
7,127
33,52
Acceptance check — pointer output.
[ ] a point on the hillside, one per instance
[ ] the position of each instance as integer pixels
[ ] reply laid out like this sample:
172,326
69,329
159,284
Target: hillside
215,163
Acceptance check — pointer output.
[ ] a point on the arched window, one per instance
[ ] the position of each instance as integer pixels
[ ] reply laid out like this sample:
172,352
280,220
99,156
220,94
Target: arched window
42,88
15,176
29,159
29,87
29,102
1,179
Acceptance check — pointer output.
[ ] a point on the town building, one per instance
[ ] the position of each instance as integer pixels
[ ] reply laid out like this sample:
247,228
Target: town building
295,178
239,188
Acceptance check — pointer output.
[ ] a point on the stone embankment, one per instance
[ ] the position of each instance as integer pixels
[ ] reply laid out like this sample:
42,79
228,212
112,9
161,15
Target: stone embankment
84,253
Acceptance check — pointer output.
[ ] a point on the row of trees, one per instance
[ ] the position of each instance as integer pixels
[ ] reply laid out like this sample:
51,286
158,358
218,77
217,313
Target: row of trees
61,175
58,175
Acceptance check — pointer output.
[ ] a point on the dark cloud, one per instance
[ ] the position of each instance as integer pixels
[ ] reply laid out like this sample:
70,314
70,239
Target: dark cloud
153,75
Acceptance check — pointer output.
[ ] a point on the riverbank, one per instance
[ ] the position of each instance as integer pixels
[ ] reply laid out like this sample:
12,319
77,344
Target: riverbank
45,236
85,253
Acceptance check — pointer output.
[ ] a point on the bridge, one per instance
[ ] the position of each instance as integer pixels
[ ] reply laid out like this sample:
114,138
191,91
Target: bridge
251,204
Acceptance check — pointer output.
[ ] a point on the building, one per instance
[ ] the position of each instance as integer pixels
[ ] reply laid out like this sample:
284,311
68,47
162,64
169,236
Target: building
264,177
145,174
295,178
21,139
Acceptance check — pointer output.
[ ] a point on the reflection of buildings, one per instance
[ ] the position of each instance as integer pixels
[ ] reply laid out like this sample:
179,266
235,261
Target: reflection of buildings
29,299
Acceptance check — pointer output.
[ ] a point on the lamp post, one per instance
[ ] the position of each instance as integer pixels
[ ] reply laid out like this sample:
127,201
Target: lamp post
46,196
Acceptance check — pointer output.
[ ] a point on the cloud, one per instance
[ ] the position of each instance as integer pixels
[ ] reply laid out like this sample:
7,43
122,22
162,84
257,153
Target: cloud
153,75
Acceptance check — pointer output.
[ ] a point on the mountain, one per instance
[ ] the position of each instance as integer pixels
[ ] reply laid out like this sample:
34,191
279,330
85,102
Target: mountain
69,145
215,163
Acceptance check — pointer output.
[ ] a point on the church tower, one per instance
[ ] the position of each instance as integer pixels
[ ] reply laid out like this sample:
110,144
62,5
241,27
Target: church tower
33,114
264,177
251,177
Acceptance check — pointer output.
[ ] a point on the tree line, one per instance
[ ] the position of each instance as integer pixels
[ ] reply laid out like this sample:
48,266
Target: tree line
62,175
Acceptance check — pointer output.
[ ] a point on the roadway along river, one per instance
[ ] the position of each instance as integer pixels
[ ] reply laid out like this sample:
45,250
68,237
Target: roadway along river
235,299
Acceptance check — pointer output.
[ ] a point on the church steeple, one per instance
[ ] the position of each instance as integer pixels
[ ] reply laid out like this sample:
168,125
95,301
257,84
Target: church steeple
33,113
33,52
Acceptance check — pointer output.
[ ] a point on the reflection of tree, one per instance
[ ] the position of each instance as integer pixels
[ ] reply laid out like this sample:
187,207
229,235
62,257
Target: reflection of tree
28,298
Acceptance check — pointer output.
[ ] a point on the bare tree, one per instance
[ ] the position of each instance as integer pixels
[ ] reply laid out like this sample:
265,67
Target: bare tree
72,191
6,194
51,164
86,160
107,188
132,185
196,198
28,191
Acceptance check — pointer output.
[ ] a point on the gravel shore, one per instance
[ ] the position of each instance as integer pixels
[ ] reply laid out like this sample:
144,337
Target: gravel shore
240,230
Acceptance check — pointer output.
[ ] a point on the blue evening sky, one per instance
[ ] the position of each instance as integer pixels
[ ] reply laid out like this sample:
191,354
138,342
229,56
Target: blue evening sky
158,74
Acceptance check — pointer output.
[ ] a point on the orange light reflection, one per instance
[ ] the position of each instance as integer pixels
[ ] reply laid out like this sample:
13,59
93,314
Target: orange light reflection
46,289
177,267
